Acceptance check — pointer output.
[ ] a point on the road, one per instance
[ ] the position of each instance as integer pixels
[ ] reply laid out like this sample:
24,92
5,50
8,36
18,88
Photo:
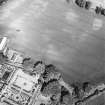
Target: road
60,33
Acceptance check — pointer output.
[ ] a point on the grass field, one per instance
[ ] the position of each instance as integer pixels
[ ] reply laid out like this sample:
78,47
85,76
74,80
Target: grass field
60,33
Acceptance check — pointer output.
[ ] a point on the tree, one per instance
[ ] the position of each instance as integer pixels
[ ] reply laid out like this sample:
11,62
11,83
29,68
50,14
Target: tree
39,67
28,62
51,88
50,73
87,87
66,98
78,92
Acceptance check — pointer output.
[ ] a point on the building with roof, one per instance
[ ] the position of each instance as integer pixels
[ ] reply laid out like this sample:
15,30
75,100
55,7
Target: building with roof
20,89
3,45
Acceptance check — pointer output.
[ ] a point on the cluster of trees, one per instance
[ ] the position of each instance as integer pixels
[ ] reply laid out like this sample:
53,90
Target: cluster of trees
33,67
27,62
79,90
66,98
50,88
39,67
58,94
50,73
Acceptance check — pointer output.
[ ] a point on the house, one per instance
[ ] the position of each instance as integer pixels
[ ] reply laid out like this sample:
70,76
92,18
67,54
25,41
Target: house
3,45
